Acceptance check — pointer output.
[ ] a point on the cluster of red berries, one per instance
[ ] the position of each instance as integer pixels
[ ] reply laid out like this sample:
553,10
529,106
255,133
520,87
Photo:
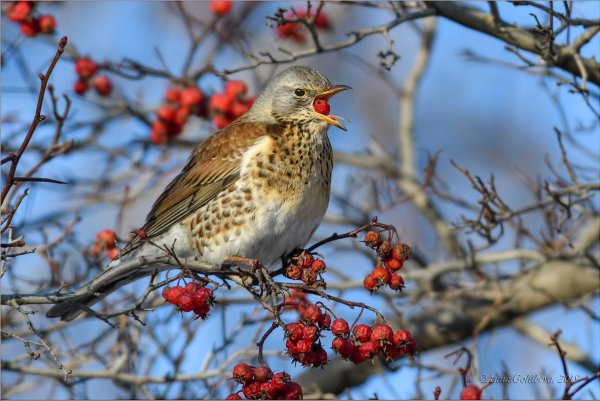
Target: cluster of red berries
470,392
22,12
106,241
294,30
193,297
303,336
233,102
220,7
86,70
305,267
180,104
260,383
392,259
367,342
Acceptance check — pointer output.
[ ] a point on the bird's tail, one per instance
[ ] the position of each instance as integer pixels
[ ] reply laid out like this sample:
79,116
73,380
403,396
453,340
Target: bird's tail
113,277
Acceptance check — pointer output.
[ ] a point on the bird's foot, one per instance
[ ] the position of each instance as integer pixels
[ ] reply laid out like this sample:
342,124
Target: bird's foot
267,286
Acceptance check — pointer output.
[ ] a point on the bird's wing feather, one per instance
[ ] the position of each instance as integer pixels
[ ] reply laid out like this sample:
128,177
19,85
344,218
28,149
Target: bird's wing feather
213,166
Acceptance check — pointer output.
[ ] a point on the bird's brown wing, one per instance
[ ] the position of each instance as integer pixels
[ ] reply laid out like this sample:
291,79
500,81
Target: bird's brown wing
213,166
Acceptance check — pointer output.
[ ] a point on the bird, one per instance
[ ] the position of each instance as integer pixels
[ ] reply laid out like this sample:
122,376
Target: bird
256,189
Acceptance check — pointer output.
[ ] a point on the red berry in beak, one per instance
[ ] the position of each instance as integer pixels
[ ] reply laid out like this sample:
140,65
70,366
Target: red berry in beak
321,106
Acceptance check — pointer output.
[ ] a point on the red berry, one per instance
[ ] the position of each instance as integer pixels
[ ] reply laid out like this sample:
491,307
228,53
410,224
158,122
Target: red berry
173,95
291,347
372,239
201,310
190,288
471,392
186,302
318,266
112,253
393,264
384,249
368,350
238,108
30,28
400,337
343,346
293,391
362,333
19,11
357,357
160,128
290,30
293,272
304,346
268,390
319,357
191,97
158,135
165,292
322,21
220,102
310,333
165,130
340,327
236,88
102,85
306,260
252,391
370,283
181,116
309,276
80,87
262,373
393,352
281,380
157,139
107,238
396,282
166,114
325,322
382,334
321,106
234,396
203,296
47,24
404,341
381,275
294,331
221,7
312,313
243,373
402,252
221,121
85,67
174,294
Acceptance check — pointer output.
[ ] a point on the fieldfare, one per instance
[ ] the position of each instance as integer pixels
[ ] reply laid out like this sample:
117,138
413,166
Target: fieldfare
256,189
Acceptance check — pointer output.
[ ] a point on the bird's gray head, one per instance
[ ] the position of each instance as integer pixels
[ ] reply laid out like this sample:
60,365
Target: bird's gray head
291,96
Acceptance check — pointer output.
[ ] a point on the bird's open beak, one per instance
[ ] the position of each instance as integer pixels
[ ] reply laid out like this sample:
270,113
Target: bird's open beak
331,119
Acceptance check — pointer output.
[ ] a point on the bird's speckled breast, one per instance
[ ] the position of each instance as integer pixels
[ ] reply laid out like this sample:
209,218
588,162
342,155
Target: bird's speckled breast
275,206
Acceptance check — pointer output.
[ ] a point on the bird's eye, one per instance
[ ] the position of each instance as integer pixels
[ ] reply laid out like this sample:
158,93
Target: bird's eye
299,92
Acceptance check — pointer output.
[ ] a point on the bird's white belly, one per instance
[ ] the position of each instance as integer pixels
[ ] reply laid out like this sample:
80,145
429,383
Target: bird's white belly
276,230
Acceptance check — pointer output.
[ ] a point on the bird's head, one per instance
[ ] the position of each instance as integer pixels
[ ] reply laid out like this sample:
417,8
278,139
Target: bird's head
299,94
